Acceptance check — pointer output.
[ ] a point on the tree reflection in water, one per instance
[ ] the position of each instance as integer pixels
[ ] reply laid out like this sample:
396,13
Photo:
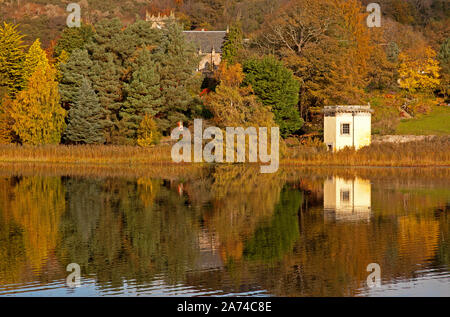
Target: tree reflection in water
235,230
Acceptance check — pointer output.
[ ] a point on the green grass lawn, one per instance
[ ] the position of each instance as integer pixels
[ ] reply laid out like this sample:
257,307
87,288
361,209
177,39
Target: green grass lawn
435,123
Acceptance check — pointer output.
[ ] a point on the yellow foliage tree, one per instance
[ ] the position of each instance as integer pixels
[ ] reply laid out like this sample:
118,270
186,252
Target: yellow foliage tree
419,73
232,105
61,59
38,116
230,75
6,121
148,132
35,57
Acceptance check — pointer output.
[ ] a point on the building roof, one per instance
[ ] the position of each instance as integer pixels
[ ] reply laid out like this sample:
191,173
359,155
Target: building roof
206,41
346,109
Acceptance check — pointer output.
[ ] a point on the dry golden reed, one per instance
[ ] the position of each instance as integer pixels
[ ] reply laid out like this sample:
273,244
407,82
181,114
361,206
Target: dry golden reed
435,152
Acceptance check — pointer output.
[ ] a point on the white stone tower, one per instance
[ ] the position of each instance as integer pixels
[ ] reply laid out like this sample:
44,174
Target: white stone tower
347,126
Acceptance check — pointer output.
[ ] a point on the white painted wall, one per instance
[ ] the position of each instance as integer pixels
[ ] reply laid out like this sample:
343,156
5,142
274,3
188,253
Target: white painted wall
343,140
363,123
360,130
330,131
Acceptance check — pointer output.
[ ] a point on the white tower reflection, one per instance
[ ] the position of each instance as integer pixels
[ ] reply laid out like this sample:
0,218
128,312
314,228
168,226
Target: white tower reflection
347,199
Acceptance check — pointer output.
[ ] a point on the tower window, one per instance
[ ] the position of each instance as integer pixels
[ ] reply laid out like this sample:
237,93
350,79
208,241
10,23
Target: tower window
345,128
345,195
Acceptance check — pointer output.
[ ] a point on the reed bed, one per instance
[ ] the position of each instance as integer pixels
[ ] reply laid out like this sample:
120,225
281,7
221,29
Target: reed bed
86,154
435,152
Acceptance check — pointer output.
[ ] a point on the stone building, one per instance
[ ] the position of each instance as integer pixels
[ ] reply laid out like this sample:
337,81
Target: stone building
160,20
347,126
209,45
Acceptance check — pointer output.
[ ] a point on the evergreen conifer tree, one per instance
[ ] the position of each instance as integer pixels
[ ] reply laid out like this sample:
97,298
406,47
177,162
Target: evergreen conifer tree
233,44
86,117
177,61
143,95
276,87
74,38
108,86
444,60
78,65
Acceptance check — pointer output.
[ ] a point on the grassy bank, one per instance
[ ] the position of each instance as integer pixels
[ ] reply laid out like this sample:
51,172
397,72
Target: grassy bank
425,153
435,123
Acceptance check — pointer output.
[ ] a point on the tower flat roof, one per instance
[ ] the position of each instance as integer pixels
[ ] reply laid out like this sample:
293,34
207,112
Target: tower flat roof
346,109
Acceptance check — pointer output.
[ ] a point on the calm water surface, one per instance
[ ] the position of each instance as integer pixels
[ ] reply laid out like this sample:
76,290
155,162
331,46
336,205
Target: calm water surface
230,232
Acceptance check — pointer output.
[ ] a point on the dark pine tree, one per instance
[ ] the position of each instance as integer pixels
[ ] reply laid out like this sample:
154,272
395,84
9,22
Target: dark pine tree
143,96
177,61
86,118
233,44
108,86
74,38
79,65
276,87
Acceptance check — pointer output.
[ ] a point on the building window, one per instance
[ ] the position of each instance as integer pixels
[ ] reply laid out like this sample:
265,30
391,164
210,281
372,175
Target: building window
345,195
345,129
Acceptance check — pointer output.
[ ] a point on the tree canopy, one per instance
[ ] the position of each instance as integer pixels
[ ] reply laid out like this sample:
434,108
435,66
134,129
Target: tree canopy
277,88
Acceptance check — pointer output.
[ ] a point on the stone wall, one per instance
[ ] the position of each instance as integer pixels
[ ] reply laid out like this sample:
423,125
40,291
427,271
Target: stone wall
400,138
209,62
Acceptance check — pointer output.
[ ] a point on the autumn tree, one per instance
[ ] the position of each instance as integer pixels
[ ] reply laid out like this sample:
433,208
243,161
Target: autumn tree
231,75
11,58
277,88
38,116
235,106
392,52
381,65
7,134
34,58
326,44
86,118
297,25
148,133
419,73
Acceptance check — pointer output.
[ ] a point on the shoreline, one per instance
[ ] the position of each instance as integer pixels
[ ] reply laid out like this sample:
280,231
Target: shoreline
419,154
293,165
183,173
